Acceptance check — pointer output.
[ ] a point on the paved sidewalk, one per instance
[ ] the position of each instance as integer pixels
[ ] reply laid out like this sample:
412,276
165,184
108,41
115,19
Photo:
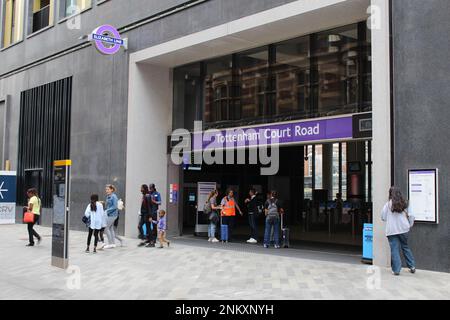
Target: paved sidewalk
190,271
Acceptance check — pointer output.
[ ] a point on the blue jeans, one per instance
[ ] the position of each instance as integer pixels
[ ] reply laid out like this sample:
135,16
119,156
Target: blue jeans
272,222
252,223
212,230
397,243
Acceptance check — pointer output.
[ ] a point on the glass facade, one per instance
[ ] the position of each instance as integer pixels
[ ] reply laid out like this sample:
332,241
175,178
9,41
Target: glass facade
318,75
12,22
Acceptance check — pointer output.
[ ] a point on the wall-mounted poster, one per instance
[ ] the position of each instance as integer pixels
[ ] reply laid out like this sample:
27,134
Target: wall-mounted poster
423,192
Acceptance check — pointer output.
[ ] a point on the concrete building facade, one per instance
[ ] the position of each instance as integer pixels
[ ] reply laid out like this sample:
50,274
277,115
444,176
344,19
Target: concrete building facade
123,107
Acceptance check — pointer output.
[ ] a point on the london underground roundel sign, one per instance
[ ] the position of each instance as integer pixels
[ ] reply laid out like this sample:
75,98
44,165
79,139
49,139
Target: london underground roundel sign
107,40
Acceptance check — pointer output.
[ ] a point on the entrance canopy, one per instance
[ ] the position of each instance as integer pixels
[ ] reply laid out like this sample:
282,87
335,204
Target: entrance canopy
281,23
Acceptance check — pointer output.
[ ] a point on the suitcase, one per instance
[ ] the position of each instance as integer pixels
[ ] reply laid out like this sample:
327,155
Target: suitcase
284,235
223,231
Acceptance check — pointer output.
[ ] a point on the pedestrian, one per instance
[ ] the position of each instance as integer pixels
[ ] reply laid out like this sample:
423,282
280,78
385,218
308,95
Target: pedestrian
162,229
112,212
34,206
398,226
101,234
229,206
144,216
95,213
120,207
253,206
273,211
213,215
155,202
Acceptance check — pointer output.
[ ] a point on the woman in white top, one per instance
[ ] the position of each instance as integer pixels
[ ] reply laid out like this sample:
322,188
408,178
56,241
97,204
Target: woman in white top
398,225
95,212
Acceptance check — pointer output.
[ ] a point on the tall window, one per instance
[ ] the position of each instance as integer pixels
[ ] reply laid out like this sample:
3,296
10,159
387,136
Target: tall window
218,85
318,75
253,87
41,108
41,14
12,22
70,7
292,71
336,66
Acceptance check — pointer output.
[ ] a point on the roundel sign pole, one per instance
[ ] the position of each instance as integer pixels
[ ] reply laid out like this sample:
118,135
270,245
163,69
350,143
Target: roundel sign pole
107,40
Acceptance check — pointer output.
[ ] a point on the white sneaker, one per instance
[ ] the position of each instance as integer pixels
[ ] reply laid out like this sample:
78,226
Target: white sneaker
210,240
214,240
252,241
109,246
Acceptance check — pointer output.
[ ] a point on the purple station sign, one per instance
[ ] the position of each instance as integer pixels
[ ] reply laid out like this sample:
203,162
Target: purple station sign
107,40
282,133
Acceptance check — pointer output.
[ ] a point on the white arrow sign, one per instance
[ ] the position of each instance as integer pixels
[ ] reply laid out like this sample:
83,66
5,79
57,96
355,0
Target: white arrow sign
2,190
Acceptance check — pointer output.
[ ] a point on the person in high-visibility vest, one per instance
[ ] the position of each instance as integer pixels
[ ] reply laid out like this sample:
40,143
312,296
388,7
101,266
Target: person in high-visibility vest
229,206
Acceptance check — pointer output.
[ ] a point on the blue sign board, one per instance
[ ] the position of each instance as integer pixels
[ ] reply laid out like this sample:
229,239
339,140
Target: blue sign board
7,197
368,242
7,188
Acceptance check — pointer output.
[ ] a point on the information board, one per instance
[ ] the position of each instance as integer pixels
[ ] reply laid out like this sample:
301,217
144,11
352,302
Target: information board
423,192
61,209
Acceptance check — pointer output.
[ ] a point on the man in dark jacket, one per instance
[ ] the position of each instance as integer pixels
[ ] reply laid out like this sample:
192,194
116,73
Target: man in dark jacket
145,216
254,209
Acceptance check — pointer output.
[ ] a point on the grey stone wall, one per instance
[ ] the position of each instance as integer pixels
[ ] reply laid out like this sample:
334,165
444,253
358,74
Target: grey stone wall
100,84
421,113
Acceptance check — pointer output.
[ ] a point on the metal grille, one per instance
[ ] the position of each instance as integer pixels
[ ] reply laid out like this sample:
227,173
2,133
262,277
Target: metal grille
44,136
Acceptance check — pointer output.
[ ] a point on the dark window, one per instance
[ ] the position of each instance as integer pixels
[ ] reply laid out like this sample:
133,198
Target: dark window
44,136
41,17
318,75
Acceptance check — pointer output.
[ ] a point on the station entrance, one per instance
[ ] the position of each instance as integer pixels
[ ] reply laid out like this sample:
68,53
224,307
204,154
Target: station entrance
325,189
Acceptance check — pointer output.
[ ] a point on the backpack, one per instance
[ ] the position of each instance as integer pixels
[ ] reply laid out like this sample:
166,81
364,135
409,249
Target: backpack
207,209
273,210
121,205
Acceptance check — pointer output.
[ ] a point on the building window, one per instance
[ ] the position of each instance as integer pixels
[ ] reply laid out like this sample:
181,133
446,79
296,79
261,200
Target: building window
318,75
70,7
218,82
41,14
12,21
292,73
44,136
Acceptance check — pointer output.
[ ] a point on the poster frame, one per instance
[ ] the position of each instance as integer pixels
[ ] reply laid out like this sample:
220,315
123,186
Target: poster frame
436,189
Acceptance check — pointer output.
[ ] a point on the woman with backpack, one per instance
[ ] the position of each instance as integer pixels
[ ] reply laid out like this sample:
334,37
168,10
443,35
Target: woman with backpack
211,209
273,210
398,226
34,207
94,212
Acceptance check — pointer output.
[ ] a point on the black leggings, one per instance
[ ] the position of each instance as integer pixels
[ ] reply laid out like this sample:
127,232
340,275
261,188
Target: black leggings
31,232
95,232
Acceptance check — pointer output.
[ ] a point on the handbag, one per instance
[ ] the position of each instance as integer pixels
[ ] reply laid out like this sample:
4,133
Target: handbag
411,219
28,217
86,221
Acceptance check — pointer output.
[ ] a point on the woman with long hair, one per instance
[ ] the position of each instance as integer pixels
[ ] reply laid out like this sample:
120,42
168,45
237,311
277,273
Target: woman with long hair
34,206
213,216
94,212
398,226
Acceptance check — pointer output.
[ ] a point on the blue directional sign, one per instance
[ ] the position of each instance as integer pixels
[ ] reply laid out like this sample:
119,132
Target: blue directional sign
7,197
7,187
